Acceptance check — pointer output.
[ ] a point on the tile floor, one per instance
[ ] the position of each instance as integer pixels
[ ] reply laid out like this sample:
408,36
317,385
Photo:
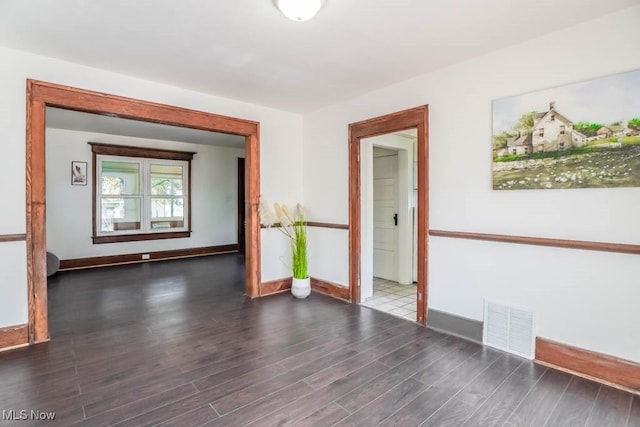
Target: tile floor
393,298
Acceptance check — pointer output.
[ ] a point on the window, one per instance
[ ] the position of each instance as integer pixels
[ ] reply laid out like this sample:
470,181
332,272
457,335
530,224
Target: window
541,132
561,146
140,194
552,117
562,130
526,150
514,151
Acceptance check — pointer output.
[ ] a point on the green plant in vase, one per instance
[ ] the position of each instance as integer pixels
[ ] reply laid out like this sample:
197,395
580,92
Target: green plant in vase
292,224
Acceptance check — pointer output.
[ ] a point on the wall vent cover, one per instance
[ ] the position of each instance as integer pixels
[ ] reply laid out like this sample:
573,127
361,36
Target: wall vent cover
510,329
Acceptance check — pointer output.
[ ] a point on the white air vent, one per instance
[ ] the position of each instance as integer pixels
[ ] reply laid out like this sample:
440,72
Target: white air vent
510,329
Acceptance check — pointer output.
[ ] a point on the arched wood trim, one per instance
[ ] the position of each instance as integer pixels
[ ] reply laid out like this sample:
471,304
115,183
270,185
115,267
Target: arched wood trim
415,118
41,95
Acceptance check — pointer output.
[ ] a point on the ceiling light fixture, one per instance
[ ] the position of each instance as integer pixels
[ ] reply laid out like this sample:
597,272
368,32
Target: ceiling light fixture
299,10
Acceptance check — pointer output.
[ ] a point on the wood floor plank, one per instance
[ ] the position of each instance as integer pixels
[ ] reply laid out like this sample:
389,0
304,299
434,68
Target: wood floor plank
409,350
500,404
97,417
444,388
196,417
537,405
167,343
634,413
204,397
302,407
466,350
385,405
458,409
610,408
341,369
262,406
327,416
576,403
33,394
365,394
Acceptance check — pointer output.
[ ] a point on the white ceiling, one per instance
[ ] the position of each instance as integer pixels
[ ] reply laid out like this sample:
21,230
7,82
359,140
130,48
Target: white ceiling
74,120
247,50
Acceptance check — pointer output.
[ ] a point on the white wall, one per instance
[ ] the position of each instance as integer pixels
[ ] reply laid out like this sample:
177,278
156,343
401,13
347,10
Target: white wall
586,299
280,153
69,207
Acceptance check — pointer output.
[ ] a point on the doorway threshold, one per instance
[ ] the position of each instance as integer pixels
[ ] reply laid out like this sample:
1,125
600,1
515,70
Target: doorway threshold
393,298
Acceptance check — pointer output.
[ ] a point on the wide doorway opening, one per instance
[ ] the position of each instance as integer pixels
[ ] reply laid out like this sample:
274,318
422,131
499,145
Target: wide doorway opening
40,96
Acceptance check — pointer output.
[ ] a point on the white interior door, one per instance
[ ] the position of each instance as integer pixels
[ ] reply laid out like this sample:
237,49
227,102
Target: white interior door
385,209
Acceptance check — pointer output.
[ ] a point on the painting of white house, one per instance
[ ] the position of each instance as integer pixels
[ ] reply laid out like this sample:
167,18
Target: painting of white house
581,135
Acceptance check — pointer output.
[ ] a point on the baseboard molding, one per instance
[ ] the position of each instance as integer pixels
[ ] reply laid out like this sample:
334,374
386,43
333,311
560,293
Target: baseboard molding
317,285
451,324
275,286
599,367
329,288
104,261
13,337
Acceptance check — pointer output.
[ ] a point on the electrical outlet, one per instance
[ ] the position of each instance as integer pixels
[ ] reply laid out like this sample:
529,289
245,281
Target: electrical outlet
146,256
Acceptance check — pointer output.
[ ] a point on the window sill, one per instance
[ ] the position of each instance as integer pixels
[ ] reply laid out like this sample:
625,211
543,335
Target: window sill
139,237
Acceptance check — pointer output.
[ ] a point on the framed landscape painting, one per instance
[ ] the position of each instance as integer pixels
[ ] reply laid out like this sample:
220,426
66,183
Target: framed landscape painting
581,135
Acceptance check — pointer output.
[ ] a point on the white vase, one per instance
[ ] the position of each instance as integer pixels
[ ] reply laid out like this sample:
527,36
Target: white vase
301,288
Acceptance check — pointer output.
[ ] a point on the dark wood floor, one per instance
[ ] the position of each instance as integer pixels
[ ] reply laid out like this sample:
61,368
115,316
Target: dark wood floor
176,343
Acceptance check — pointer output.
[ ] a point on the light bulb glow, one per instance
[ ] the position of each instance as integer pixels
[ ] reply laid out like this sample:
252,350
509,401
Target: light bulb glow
299,10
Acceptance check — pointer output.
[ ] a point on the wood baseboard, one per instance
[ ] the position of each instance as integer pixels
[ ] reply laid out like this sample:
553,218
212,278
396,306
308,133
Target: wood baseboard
599,367
14,337
317,285
103,261
331,289
275,286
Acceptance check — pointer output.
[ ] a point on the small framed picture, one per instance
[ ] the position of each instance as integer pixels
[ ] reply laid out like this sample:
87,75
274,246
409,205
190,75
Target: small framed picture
78,173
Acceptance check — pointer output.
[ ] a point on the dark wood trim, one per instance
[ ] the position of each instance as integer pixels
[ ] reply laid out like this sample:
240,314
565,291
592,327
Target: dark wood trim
70,98
102,261
147,153
36,219
313,224
328,225
252,201
12,238
14,336
240,224
317,285
355,215
144,153
189,189
139,237
331,289
540,241
415,118
94,184
597,366
275,286
42,94
276,225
